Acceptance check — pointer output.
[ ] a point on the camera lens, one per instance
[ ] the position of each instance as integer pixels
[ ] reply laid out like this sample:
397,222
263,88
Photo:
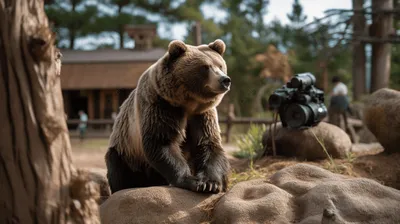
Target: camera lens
319,111
275,101
297,115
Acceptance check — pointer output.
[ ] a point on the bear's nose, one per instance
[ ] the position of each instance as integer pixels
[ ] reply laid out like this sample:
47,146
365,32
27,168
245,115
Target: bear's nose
225,81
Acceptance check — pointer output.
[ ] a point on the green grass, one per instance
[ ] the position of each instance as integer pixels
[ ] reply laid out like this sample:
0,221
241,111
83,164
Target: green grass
250,143
320,141
251,173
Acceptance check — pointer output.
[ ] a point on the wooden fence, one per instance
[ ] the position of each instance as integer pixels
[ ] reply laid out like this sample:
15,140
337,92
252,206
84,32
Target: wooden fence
104,125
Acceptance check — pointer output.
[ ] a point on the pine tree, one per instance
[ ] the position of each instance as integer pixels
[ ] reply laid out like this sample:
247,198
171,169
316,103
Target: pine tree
296,16
244,40
71,20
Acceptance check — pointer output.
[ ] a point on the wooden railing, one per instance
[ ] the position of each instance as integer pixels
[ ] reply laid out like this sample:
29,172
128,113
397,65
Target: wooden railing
104,129
105,125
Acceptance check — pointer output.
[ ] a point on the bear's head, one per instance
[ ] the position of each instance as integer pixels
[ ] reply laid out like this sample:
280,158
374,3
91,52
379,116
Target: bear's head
193,73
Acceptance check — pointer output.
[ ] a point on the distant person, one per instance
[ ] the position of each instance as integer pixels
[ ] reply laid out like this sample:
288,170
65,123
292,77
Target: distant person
339,102
83,118
339,105
114,116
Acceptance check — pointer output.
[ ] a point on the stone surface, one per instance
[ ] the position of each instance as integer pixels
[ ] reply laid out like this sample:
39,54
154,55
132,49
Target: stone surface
366,136
324,197
362,149
300,193
156,205
382,117
303,144
254,201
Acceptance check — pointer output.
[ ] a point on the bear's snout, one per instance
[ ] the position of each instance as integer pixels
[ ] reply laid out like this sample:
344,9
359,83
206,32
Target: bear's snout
225,82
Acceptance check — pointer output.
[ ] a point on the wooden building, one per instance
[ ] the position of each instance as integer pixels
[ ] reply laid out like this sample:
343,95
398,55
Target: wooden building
98,81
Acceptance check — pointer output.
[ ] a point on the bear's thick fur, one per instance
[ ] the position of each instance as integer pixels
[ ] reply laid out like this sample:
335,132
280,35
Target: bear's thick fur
167,130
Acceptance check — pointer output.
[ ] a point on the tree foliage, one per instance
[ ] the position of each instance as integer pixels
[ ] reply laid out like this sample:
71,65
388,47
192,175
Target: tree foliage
317,47
313,48
72,19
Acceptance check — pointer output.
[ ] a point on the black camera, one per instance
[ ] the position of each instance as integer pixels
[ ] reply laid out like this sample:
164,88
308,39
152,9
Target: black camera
299,103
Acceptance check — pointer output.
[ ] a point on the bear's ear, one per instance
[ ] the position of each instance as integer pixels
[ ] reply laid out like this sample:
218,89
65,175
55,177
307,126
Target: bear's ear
218,46
176,48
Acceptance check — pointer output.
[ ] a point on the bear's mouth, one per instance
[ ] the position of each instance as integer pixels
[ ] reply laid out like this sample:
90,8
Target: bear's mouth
217,91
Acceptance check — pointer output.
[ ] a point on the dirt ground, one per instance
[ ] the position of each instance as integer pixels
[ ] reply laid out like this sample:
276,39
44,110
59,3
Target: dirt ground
366,161
90,153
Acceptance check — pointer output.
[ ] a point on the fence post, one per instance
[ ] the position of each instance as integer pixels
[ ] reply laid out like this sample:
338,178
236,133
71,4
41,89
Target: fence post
229,122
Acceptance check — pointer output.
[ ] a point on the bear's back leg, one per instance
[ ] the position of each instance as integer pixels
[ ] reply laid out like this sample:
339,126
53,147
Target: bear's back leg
120,176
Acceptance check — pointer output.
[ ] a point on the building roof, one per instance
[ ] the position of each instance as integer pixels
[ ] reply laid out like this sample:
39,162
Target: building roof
111,55
113,75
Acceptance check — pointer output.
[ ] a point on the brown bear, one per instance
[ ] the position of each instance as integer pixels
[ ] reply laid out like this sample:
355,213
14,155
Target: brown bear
167,130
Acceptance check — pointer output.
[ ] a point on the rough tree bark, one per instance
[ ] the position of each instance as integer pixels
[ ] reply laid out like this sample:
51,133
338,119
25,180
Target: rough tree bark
359,56
382,26
35,152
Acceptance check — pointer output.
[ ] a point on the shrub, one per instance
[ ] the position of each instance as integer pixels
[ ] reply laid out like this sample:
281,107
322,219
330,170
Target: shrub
250,143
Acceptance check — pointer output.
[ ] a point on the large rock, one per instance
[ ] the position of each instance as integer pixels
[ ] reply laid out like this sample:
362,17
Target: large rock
382,117
300,193
303,144
254,201
156,205
324,197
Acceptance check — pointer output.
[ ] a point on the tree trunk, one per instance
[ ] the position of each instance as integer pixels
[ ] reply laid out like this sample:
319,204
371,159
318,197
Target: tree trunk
121,38
323,82
72,37
382,26
359,57
35,152
121,30
197,33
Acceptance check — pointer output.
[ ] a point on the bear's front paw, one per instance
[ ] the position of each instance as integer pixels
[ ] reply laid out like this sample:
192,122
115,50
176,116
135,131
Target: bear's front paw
209,187
198,184
221,180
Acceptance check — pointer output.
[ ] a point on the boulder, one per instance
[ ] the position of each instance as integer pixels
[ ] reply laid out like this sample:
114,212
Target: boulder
382,117
303,144
157,205
254,201
299,193
324,197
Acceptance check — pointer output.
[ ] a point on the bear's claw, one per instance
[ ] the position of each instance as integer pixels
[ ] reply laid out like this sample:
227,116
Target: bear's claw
198,185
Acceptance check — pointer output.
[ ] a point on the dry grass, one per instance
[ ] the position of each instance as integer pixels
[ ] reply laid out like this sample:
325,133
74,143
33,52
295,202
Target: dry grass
382,168
374,165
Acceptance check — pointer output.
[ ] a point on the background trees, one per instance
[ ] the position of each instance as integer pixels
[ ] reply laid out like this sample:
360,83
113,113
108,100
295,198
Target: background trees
333,45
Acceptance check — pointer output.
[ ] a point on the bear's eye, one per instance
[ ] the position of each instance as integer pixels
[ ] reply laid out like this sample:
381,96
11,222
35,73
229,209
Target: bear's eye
206,68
